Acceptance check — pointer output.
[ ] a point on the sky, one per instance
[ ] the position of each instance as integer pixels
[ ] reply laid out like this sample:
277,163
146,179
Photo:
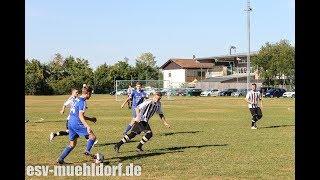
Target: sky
106,31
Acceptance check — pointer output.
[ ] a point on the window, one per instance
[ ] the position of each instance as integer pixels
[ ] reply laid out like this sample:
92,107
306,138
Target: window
203,73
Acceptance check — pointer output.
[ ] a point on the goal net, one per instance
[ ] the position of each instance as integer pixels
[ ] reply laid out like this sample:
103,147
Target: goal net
149,86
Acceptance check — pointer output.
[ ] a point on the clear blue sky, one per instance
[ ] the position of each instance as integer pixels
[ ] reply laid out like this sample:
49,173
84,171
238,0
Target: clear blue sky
109,30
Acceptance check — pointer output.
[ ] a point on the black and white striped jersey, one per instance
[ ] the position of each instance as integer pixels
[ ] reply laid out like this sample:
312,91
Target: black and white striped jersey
70,103
148,108
254,97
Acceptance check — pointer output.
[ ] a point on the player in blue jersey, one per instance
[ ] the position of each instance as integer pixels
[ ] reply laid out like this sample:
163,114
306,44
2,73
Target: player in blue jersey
78,126
137,96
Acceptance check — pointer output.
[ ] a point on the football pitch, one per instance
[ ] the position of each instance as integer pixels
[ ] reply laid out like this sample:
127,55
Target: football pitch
209,138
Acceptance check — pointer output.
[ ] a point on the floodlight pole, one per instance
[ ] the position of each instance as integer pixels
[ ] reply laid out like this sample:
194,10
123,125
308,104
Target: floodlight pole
248,55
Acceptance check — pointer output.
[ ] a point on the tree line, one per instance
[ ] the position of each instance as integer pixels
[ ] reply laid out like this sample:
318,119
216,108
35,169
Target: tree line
59,75
276,63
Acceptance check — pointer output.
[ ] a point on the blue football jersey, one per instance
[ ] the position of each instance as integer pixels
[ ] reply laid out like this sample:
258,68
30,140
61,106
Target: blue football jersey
137,97
79,105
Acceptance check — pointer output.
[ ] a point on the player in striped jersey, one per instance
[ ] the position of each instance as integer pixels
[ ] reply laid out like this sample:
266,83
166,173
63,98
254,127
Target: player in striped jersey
129,92
144,112
68,103
253,98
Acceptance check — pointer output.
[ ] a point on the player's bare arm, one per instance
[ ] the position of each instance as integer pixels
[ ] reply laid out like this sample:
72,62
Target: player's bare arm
137,119
62,110
128,98
164,120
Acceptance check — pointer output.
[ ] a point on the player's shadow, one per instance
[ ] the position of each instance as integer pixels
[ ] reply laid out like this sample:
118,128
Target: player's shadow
181,132
177,148
187,147
112,143
151,153
286,125
139,156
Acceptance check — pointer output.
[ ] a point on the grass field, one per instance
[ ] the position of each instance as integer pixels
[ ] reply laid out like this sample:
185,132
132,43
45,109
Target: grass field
210,137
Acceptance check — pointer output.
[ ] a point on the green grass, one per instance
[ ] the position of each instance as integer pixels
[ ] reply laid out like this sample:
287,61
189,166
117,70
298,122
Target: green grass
210,138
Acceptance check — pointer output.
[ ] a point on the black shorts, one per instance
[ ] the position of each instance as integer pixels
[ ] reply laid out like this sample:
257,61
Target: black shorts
142,126
256,111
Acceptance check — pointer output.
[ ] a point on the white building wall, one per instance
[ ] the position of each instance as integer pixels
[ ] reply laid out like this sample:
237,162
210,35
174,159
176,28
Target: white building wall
174,76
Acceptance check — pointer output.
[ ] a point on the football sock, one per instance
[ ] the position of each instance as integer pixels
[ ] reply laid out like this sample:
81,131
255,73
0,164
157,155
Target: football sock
61,133
90,143
126,138
144,139
65,152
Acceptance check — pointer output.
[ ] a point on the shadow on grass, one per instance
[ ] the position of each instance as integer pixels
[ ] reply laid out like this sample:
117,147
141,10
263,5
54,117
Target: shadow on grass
168,150
149,153
144,155
187,147
181,132
112,143
184,147
276,126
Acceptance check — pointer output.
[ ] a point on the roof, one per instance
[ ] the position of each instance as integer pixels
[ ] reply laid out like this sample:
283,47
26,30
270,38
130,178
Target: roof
228,56
225,78
198,63
188,64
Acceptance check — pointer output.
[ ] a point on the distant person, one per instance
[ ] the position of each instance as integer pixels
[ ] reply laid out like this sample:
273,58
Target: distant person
253,98
137,97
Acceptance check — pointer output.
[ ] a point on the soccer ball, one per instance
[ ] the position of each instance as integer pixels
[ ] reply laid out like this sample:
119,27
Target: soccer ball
99,158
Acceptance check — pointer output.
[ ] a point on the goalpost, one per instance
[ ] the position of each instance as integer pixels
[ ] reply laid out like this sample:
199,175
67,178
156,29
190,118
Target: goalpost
149,86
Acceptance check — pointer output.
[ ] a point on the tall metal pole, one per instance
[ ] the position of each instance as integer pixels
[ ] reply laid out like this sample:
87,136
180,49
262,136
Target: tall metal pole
248,55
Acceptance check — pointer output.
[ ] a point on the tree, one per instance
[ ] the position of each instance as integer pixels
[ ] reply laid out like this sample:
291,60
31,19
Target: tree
146,59
35,78
145,68
121,70
59,75
101,80
72,73
145,72
275,61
